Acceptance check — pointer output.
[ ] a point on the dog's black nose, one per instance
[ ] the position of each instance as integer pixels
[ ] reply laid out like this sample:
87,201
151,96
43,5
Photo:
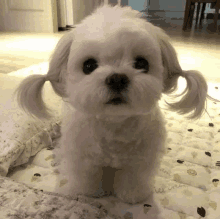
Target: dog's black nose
117,82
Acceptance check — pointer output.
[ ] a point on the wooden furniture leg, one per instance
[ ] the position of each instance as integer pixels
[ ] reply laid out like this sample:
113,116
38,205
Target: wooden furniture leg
186,14
191,14
202,13
197,12
216,18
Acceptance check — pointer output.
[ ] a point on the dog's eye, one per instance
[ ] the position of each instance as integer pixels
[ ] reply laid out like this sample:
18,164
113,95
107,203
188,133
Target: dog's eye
89,66
141,63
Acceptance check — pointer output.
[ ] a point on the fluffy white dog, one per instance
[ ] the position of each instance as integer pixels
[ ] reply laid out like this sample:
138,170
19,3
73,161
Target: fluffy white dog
112,70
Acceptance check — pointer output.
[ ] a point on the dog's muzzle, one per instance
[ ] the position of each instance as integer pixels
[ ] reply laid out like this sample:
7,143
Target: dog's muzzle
117,83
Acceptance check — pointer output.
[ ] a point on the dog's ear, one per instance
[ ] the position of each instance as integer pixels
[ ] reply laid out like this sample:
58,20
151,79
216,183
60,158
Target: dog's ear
195,94
29,92
58,63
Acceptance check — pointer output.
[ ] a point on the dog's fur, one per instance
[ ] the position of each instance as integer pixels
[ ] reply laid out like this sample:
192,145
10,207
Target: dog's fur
111,149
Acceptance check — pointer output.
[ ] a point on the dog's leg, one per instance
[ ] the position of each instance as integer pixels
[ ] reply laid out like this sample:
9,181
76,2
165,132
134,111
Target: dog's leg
82,182
135,182
108,180
82,178
133,185
79,164
86,180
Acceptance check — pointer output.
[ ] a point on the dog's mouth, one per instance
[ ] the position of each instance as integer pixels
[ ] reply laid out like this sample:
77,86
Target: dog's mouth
117,101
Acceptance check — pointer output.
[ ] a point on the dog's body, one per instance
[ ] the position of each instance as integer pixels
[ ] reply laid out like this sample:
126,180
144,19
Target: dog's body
112,69
120,152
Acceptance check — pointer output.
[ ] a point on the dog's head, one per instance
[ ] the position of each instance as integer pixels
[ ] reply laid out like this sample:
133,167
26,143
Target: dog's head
116,63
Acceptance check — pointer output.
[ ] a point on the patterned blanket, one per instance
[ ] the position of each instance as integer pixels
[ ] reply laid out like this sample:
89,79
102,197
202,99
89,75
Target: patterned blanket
186,187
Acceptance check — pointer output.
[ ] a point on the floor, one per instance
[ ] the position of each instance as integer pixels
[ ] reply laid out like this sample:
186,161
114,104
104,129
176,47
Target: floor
199,46
20,50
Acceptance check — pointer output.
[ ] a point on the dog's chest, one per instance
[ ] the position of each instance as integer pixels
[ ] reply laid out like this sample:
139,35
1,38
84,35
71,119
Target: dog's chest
118,138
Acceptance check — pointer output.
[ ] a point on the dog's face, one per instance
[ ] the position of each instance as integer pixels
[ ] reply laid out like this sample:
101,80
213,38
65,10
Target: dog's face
115,66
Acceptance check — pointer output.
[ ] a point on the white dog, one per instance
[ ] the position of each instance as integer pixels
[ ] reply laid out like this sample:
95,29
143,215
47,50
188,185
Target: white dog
112,69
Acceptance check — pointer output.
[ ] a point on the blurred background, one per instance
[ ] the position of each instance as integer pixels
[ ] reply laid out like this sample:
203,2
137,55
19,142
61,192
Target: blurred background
30,29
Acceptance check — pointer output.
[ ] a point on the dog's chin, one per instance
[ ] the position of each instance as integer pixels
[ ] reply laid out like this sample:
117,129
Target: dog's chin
116,101
117,105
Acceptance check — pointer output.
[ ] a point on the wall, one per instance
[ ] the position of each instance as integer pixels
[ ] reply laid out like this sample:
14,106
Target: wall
172,5
138,4
115,2
69,11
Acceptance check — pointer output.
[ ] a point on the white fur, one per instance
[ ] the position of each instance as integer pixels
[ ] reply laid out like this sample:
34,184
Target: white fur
118,145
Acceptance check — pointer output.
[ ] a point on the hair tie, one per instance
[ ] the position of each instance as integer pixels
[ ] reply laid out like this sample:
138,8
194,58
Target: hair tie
46,78
183,73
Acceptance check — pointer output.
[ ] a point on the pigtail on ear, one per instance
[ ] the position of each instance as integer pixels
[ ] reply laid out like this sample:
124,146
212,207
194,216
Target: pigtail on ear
29,92
29,96
195,94
172,68
57,72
